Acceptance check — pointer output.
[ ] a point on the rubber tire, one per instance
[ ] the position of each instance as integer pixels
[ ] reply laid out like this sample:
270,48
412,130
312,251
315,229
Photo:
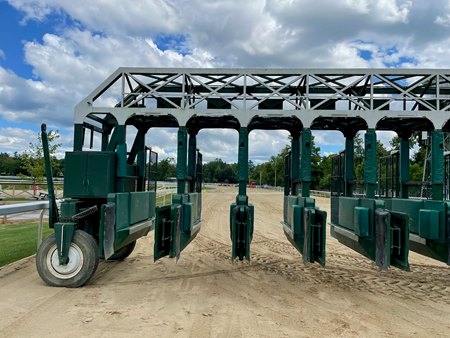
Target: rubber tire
123,253
89,249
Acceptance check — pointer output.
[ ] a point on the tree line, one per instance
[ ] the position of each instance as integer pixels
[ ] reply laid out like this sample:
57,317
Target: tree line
19,165
31,161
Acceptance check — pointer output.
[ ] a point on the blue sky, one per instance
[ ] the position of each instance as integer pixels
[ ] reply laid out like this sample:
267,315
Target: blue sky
54,52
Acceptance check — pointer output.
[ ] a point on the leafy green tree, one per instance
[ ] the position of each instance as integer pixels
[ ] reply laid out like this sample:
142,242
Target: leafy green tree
10,165
33,158
218,171
325,172
166,169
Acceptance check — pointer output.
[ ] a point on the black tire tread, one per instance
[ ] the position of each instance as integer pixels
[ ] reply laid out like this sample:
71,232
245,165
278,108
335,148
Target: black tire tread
89,247
123,253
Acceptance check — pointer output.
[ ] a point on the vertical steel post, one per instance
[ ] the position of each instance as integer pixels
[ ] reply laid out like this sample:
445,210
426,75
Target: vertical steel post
78,137
243,161
370,162
404,166
141,159
305,162
121,153
437,164
181,160
241,212
349,165
53,209
295,163
192,160
105,139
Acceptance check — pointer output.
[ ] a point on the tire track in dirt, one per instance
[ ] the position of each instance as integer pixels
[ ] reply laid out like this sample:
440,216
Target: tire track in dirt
342,271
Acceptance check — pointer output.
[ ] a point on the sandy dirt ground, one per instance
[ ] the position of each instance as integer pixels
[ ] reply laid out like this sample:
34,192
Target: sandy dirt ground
205,295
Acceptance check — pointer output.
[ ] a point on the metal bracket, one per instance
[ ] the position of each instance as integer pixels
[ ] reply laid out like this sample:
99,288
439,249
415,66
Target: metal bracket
64,234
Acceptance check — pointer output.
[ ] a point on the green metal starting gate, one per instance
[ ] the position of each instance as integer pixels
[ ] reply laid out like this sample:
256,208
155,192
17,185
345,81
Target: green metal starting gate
109,193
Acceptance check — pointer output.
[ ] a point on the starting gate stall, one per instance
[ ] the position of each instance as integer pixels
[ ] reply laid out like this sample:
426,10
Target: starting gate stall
304,225
428,213
107,207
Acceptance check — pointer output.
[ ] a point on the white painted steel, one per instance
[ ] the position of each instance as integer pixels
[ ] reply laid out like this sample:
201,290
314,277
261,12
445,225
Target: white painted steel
297,88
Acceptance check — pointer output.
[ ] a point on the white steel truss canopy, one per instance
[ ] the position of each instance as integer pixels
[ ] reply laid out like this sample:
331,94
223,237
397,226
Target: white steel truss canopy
369,95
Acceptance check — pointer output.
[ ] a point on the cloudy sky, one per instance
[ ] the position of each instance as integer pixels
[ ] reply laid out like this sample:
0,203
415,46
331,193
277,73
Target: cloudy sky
55,52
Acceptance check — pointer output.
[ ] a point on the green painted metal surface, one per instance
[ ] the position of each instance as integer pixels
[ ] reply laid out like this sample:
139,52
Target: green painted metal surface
181,170
176,225
241,212
290,201
89,174
346,212
442,208
294,175
167,232
370,162
64,232
53,208
305,228
404,167
429,224
243,161
349,172
437,164
361,217
78,137
410,207
241,230
192,161
305,162
377,233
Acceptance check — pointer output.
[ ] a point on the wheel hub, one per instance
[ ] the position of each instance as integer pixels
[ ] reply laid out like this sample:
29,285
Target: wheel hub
69,270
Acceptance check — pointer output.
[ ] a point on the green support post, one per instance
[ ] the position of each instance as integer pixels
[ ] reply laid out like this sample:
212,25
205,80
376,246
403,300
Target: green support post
178,224
295,163
370,162
105,139
53,208
241,212
118,143
243,161
181,160
78,137
349,165
437,164
404,166
118,137
305,162
141,158
192,160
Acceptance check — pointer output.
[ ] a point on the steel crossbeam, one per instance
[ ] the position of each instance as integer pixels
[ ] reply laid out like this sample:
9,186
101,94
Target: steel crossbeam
369,94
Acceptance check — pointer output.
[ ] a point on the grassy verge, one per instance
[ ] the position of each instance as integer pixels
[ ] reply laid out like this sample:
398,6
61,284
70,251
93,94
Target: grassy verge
18,241
160,200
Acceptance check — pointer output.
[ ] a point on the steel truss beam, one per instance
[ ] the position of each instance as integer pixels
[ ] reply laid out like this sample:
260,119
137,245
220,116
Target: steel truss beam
368,94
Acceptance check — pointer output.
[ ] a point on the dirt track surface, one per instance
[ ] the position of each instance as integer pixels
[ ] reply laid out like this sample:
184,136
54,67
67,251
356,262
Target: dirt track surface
205,295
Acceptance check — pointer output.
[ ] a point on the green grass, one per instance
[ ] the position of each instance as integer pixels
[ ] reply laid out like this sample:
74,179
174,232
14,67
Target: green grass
19,240
160,200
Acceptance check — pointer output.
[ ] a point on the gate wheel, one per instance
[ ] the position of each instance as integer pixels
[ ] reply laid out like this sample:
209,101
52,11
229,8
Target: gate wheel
123,253
83,261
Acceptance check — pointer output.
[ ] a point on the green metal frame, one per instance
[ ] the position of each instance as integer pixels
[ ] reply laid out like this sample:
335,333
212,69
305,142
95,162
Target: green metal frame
304,225
387,230
242,212
178,224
